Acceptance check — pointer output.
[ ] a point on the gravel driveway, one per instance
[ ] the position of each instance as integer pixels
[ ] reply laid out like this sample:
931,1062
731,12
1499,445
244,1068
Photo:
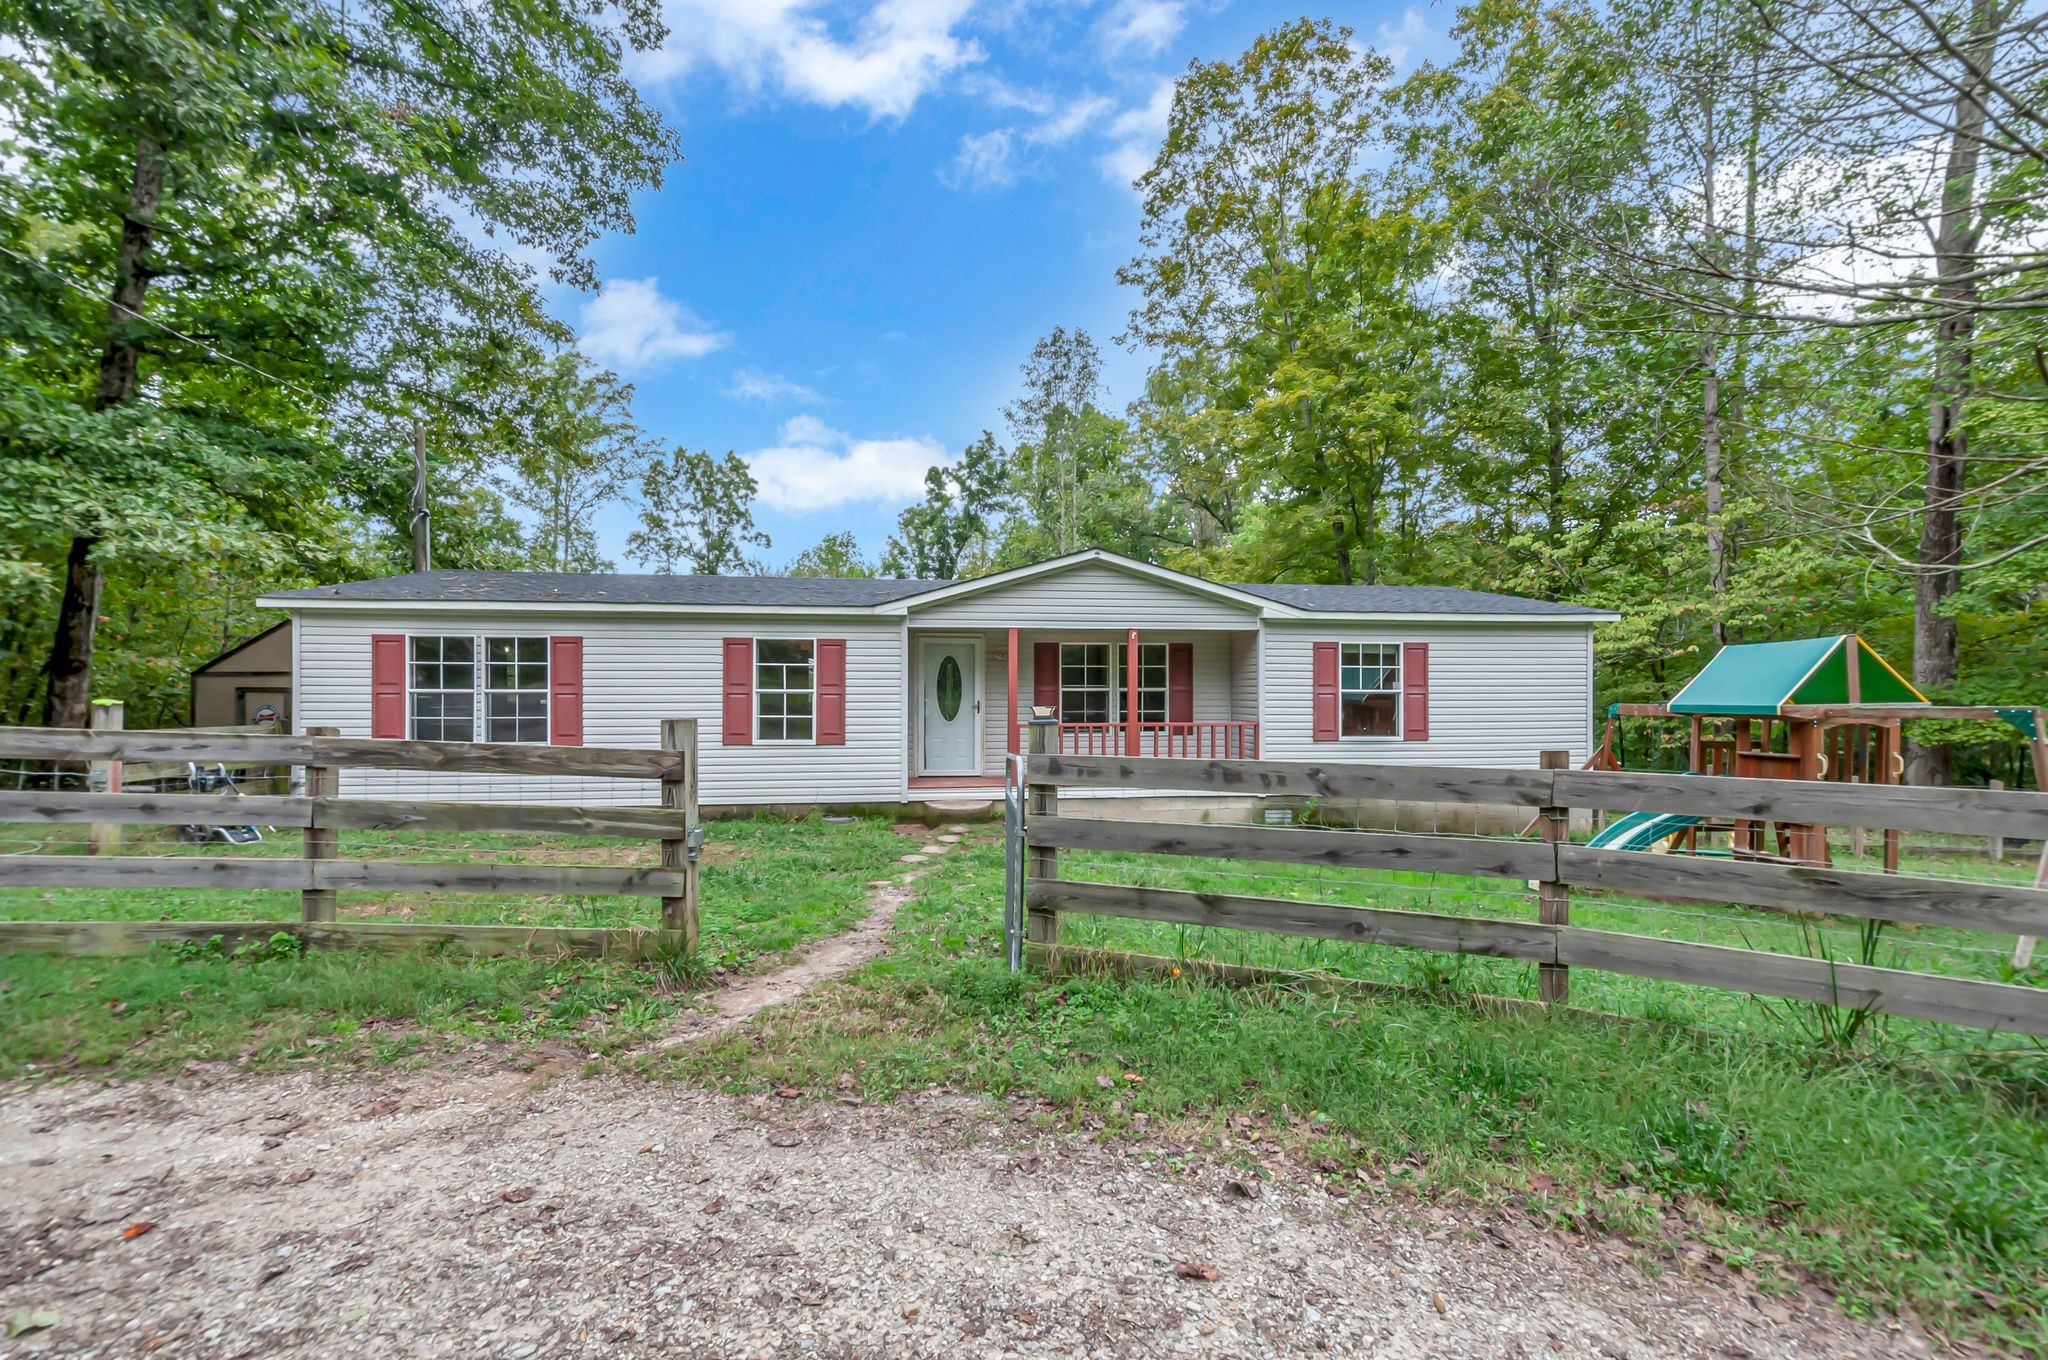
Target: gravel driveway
467,1211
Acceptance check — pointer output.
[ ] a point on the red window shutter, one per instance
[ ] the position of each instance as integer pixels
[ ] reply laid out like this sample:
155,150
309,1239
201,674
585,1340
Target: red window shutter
739,692
565,691
1415,691
1323,679
387,686
831,691
1045,676
1180,682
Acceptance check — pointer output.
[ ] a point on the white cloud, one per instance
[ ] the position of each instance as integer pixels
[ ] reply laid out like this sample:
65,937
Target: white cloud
770,389
1142,26
816,467
1137,133
629,325
985,160
992,160
1068,121
895,54
1412,42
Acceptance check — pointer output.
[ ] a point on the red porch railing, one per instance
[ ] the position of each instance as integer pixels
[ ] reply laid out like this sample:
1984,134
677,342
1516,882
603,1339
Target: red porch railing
1174,740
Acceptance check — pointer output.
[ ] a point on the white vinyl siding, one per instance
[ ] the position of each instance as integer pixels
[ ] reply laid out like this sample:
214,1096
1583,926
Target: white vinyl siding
1244,677
1090,596
1498,693
636,672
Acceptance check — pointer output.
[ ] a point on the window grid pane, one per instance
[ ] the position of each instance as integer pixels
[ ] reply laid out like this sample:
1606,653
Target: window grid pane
442,678
1369,681
516,689
784,680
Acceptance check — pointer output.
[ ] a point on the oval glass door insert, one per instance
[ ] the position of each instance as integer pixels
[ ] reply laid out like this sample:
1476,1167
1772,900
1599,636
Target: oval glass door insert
949,688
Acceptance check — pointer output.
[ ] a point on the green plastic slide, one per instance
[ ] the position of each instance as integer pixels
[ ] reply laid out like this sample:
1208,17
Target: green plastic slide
1642,830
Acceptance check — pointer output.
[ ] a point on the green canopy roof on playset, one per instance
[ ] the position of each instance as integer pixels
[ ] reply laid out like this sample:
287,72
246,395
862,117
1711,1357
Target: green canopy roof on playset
1761,678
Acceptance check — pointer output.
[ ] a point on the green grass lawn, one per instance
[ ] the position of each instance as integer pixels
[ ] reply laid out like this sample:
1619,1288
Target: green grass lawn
1899,1185
768,887
1920,948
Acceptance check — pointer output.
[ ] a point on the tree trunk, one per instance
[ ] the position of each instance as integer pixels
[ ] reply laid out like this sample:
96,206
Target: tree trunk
1710,388
1553,423
67,703
68,700
1938,570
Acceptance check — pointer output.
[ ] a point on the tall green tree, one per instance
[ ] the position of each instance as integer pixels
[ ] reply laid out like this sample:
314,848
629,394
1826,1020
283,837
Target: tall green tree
946,535
579,449
238,237
697,515
1073,482
834,555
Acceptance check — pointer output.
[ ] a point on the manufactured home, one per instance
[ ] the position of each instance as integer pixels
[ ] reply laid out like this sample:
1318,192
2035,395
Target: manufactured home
826,692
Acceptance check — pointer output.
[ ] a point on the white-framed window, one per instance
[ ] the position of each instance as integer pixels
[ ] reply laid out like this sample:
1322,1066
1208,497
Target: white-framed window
451,697
516,689
1092,682
1151,685
1369,689
785,689
1087,682
441,688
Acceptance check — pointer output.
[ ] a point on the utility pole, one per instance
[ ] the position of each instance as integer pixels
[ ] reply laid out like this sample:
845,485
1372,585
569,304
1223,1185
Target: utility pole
422,542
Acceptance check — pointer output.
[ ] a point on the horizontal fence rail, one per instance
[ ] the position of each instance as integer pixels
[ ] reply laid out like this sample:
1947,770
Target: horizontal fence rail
1554,866
458,757
305,875
1971,812
320,814
1301,845
114,938
1297,779
348,814
1962,1001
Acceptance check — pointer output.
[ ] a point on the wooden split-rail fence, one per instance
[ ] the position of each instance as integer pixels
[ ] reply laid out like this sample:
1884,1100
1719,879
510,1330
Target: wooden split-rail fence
320,814
1557,867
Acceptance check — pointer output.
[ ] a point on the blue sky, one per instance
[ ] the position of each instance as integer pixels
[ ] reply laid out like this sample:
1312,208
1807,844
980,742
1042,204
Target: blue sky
881,207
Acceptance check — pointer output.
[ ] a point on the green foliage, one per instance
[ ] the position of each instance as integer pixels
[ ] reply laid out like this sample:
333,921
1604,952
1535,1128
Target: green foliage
696,515
939,537
245,252
833,555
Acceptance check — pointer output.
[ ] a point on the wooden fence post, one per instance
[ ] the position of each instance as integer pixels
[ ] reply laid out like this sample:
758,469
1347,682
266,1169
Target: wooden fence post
1859,837
680,792
321,842
107,716
1042,924
1997,841
1553,899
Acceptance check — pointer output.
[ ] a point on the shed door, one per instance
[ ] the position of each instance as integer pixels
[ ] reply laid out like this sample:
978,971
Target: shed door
949,671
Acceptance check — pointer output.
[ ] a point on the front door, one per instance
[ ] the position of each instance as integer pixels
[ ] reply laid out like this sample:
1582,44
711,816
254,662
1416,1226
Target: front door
951,707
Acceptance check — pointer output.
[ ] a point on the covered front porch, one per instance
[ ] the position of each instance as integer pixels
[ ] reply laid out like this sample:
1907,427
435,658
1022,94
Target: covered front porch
1175,693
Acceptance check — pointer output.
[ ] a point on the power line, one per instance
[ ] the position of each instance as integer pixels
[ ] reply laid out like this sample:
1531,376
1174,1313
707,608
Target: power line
215,351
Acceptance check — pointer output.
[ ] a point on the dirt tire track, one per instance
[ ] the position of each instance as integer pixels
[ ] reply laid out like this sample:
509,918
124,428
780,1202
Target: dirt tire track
830,958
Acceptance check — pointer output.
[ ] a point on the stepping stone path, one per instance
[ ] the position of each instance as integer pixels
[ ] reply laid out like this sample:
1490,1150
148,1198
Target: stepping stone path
949,840
934,850
912,859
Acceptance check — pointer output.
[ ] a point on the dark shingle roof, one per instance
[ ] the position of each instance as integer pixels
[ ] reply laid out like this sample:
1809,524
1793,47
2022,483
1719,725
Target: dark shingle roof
819,592
1408,600
563,587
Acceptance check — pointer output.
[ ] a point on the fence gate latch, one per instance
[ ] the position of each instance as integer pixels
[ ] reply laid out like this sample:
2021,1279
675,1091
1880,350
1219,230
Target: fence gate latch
693,842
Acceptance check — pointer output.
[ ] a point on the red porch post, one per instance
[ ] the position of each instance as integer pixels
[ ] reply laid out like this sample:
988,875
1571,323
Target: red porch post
1010,714
1131,693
